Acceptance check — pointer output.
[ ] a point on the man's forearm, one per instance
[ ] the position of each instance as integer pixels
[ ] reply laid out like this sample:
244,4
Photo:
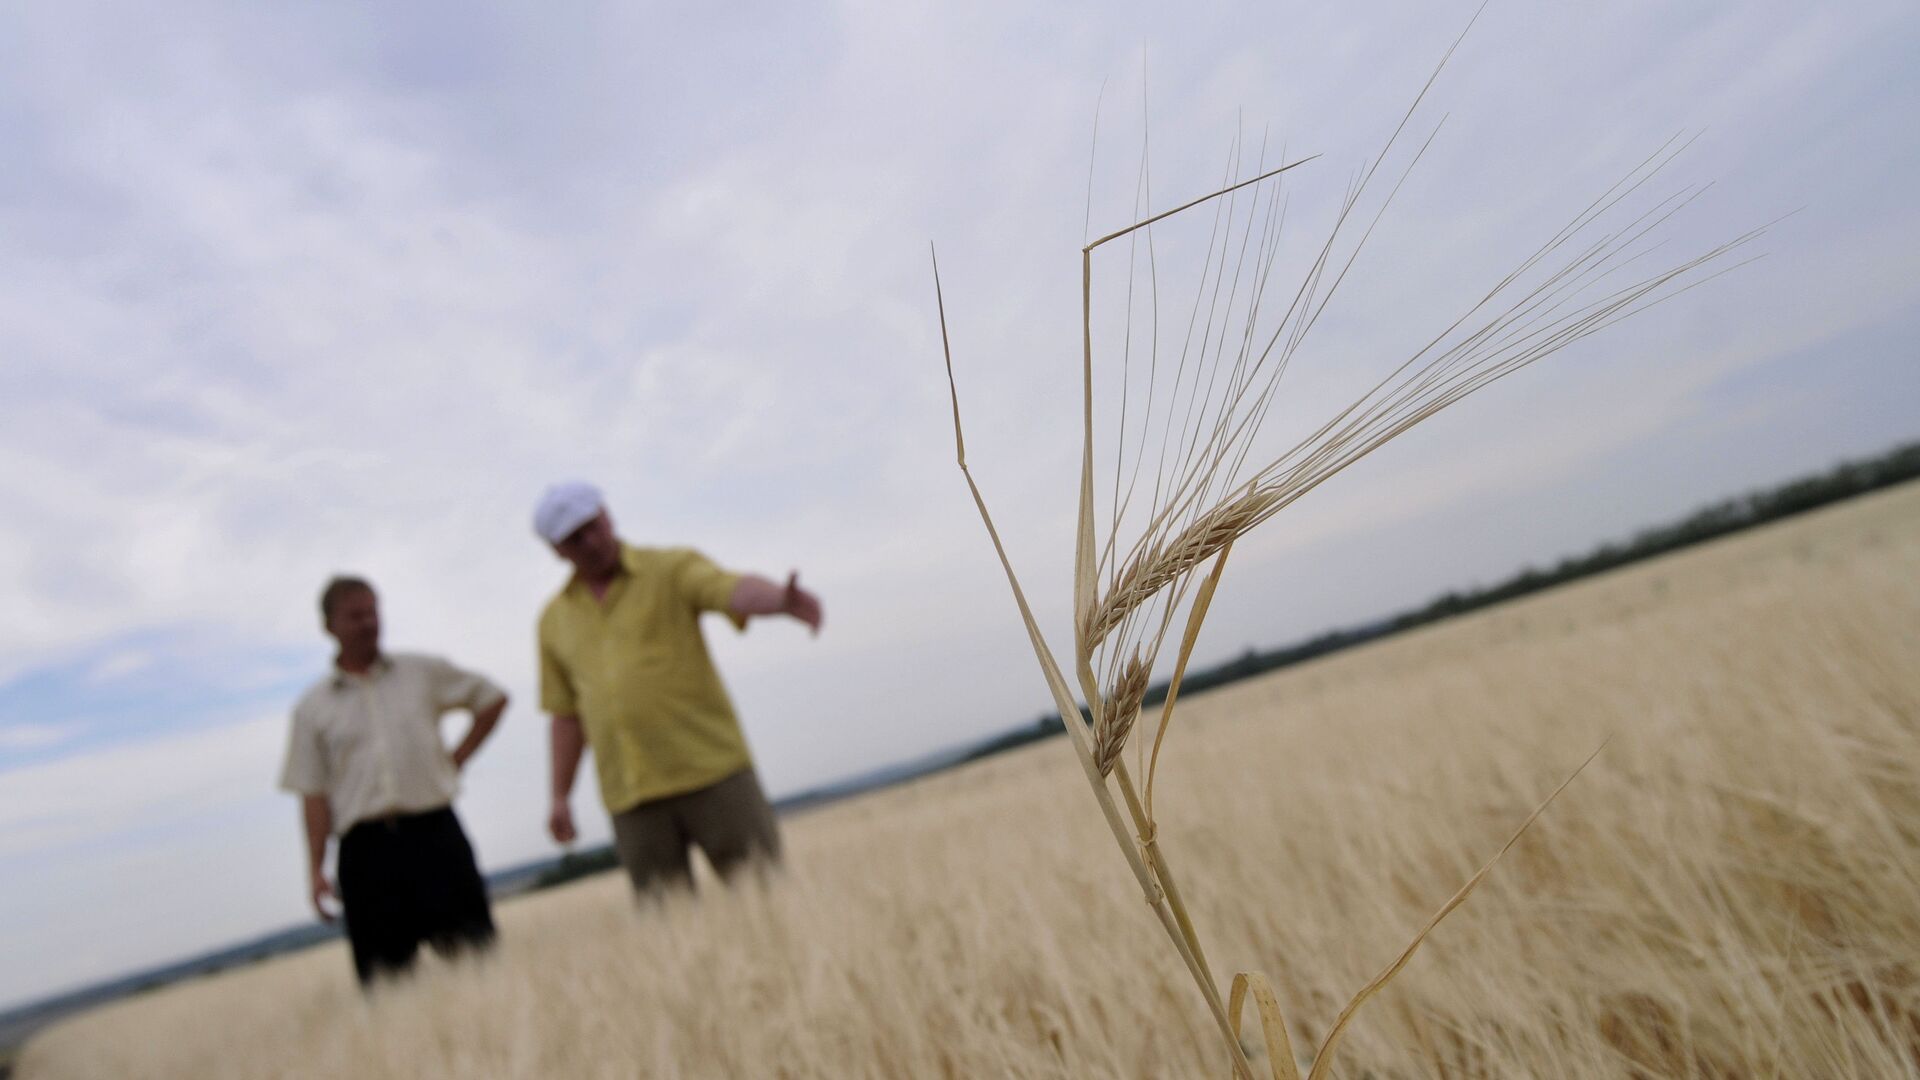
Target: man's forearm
318,816
568,742
484,722
754,595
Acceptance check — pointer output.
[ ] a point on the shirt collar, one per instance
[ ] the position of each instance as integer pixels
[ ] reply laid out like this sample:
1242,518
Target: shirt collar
629,566
381,665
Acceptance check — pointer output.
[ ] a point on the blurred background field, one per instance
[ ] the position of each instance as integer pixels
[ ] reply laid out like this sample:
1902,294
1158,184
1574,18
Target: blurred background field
1732,889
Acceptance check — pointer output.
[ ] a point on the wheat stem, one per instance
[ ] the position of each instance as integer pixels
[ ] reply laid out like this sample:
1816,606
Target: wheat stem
1077,728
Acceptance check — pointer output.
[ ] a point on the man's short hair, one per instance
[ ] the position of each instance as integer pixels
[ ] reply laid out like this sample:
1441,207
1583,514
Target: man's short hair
337,589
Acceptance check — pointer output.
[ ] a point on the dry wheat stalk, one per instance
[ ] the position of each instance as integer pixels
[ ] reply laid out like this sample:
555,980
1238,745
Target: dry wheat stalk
1129,589
1118,710
1157,567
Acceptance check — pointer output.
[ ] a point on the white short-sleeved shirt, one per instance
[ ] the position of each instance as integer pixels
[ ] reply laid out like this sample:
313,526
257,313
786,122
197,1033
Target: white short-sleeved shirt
371,743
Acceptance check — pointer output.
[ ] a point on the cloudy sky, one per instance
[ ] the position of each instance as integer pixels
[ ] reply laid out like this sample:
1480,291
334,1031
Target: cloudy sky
292,290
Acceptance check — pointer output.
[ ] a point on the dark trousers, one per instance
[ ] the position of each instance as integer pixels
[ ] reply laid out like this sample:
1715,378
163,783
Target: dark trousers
731,821
409,879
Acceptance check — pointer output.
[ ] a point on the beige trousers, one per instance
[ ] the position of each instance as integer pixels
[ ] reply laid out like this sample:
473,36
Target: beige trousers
731,821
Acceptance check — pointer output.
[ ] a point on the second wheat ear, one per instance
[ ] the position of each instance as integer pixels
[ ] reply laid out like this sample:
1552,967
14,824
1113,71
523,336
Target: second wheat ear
1156,562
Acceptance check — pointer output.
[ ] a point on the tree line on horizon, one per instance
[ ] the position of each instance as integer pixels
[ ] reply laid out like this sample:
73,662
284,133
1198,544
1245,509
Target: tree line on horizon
1797,496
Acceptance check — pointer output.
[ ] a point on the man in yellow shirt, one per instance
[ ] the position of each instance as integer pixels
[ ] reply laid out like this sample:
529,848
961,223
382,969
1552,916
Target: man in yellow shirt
624,669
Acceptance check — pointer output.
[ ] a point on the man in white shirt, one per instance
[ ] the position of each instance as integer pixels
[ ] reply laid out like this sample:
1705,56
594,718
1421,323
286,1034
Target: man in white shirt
366,758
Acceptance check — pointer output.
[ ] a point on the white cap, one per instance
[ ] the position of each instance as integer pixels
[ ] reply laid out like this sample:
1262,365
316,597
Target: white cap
564,508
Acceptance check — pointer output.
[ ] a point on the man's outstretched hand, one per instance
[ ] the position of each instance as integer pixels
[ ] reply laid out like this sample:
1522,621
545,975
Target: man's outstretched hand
802,604
755,595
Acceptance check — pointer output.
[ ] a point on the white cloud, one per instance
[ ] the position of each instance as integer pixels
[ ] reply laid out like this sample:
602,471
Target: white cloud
18,738
90,799
119,665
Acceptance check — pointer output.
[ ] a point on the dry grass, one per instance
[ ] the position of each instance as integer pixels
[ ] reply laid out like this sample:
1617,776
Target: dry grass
1730,890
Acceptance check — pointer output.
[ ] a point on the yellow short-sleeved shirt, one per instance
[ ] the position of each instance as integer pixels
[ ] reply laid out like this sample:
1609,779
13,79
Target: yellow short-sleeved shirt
634,668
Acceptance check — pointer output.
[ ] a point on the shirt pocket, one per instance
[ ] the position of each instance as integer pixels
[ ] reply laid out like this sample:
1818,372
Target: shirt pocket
643,639
345,739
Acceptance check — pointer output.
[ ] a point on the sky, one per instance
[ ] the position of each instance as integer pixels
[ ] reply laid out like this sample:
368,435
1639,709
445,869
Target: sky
287,290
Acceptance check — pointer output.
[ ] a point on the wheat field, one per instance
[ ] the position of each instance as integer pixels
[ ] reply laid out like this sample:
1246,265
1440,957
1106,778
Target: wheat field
1732,889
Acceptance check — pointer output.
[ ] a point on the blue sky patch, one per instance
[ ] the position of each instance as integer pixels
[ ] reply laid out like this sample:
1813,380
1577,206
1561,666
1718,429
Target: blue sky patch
140,685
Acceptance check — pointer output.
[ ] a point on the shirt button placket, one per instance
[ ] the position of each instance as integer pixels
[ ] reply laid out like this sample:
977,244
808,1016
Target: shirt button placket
388,787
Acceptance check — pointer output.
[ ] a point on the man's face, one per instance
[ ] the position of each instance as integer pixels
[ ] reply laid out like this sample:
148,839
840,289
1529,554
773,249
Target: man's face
592,548
354,621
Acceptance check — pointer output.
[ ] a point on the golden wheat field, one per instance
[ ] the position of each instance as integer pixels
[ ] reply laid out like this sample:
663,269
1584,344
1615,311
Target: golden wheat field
1732,889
